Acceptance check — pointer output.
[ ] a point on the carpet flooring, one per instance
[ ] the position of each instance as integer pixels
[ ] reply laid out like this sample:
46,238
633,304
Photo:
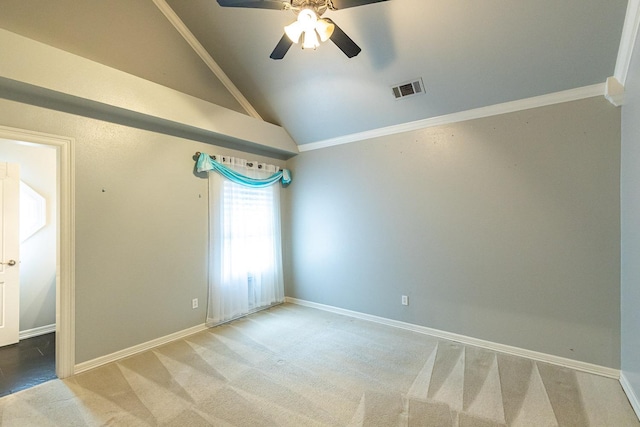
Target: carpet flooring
297,366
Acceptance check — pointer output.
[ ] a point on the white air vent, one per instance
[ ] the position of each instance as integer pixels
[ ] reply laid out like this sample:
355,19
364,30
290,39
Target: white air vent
410,88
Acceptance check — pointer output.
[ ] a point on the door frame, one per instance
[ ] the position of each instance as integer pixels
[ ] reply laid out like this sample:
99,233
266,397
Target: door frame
65,263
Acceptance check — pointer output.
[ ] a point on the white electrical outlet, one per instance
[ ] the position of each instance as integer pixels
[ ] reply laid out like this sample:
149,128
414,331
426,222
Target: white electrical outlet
194,303
405,300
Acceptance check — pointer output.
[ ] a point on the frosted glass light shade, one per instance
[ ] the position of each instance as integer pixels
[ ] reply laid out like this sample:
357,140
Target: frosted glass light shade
324,29
307,18
310,40
294,31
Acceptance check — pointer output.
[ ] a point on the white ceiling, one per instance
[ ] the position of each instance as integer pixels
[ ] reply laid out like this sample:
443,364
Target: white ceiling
470,54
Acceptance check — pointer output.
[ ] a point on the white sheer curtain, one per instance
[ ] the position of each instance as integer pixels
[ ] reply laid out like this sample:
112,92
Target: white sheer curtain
245,252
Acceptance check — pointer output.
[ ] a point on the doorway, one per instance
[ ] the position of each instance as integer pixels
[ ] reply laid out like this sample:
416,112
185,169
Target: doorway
64,341
27,350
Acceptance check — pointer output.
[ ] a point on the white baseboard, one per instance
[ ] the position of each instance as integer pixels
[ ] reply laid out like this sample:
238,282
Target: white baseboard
502,348
631,395
40,330
113,357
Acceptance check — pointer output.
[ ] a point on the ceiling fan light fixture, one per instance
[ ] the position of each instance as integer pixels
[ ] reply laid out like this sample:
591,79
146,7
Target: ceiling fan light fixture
308,29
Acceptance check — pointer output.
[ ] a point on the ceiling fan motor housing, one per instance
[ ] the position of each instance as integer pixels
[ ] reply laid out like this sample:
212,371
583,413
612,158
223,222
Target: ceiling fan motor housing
318,6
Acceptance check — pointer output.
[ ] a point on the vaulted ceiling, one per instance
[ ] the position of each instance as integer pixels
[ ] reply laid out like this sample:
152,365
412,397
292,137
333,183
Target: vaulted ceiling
469,54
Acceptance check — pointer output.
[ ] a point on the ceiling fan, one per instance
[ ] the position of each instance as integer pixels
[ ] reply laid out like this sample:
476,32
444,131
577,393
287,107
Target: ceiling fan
310,28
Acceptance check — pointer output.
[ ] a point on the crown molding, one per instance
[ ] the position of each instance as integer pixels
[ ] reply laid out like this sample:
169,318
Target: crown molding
169,13
614,91
476,113
627,41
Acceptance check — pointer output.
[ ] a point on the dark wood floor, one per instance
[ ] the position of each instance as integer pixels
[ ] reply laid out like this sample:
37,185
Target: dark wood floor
27,363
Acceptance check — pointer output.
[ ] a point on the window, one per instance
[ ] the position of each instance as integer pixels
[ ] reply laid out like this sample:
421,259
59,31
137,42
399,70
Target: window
245,267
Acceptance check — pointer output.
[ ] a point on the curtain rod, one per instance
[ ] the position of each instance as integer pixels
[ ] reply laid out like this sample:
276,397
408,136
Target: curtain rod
250,164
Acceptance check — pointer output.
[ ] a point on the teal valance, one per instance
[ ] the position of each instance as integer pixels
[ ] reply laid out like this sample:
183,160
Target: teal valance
206,164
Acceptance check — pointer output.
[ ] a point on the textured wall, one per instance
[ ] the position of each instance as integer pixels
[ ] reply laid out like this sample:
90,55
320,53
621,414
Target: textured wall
504,228
141,229
630,202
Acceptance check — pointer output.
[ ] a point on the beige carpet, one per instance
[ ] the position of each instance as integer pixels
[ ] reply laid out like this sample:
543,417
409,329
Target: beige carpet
296,366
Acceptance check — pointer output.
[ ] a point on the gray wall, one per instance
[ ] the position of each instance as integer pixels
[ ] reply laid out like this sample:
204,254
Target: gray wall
630,202
38,253
141,229
504,229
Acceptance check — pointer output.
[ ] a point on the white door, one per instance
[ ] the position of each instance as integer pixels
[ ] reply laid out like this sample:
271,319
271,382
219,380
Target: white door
9,251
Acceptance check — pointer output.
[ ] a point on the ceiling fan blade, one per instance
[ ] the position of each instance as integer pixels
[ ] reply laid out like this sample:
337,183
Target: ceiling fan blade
257,4
343,4
343,41
281,48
